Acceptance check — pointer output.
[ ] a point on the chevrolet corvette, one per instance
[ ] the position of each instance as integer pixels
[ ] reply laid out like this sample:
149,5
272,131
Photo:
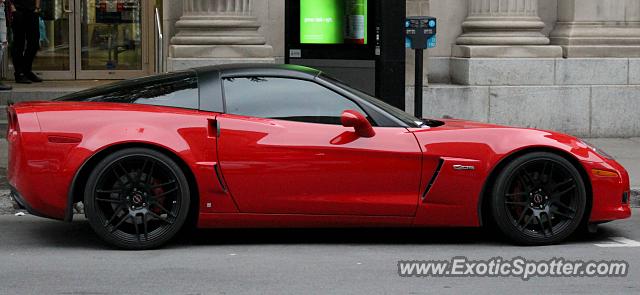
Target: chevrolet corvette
257,146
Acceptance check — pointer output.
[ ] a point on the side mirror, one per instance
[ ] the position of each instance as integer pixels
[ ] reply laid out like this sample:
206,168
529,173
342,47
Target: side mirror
359,122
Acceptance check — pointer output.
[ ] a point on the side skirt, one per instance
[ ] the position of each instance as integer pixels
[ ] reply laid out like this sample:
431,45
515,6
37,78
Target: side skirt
249,220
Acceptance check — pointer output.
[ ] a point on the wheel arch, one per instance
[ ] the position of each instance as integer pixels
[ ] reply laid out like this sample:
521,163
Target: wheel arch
483,202
79,181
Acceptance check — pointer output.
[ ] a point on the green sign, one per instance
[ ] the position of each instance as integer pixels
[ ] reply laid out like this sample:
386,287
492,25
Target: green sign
333,21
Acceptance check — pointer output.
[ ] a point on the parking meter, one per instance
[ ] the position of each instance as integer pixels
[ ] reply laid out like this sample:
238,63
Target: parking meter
420,34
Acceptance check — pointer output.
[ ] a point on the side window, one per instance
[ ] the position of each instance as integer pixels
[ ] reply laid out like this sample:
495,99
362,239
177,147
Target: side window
173,90
285,99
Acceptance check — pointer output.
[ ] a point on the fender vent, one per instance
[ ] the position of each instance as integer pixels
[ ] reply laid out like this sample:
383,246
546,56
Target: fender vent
216,167
433,179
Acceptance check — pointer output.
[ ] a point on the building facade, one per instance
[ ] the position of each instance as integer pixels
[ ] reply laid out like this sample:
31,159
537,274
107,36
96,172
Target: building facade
566,65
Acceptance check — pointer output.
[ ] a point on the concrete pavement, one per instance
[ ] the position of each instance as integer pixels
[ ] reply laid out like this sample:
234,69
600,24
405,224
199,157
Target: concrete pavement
39,256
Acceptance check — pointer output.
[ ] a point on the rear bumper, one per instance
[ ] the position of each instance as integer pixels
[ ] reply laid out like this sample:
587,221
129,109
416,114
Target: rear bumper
36,168
22,203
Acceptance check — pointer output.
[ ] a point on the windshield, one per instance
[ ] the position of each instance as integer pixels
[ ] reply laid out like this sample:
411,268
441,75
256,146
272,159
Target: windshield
411,121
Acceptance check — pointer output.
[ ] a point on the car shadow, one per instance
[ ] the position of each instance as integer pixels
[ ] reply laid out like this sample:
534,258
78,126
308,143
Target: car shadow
327,236
371,236
80,235
77,234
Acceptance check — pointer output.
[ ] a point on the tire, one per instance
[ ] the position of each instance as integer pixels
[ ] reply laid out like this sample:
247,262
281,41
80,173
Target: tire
538,199
137,199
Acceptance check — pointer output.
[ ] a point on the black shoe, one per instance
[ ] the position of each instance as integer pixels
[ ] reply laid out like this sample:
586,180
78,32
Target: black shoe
22,79
31,76
5,87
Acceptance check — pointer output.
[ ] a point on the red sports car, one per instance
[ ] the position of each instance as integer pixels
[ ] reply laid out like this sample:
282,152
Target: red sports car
287,146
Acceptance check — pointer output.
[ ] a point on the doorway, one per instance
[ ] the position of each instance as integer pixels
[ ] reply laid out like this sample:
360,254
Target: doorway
94,39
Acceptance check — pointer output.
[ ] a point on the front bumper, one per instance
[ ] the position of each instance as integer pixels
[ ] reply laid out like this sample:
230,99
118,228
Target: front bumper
611,195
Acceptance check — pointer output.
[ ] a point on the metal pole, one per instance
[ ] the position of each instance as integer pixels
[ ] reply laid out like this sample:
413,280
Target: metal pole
417,106
159,44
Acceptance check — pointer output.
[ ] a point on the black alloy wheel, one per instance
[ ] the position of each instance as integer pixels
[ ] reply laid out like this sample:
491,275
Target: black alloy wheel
539,199
137,199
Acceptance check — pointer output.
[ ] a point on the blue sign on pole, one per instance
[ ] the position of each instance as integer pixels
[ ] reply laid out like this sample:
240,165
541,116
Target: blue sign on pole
432,42
420,32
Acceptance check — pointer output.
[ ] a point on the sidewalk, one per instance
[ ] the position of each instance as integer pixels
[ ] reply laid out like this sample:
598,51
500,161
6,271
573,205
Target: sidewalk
625,150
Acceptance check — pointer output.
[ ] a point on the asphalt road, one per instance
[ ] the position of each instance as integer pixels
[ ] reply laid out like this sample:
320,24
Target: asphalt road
39,256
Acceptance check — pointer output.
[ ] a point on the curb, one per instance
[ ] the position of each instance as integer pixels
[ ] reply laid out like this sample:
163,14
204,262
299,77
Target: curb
6,204
635,197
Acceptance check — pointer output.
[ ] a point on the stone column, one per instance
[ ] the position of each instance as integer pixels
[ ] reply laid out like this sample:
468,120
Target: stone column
503,28
214,32
598,28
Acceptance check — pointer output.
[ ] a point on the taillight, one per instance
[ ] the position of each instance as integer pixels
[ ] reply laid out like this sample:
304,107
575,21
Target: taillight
12,121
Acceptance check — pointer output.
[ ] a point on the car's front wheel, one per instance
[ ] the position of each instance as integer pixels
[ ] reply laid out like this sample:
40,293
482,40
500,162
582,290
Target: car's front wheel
137,198
539,199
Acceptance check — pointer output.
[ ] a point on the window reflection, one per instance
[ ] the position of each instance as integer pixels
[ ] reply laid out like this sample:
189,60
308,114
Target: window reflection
54,37
285,99
111,35
174,90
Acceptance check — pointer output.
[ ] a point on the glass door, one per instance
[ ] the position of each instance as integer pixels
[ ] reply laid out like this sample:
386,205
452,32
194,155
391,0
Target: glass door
94,39
55,60
110,42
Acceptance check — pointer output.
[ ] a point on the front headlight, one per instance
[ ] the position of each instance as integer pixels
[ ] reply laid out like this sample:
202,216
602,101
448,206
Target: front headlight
597,150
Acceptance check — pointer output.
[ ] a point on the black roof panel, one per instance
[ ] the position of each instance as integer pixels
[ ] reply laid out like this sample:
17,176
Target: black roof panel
251,69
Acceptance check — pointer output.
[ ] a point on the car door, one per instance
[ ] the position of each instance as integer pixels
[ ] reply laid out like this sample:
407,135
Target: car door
282,150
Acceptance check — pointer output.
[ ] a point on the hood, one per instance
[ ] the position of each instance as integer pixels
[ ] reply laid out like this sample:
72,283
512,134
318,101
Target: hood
452,124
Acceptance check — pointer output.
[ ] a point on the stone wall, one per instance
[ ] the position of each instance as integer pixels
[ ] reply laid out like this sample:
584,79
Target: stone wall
450,13
566,65
269,15
581,110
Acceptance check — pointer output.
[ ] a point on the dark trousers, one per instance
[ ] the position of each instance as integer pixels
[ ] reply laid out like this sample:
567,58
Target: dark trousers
26,40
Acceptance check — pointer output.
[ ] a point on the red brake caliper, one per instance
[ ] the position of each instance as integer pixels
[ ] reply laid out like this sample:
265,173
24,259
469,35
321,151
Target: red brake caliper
158,191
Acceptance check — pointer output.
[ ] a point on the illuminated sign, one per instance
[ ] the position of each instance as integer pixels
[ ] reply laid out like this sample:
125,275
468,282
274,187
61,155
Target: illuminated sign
333,21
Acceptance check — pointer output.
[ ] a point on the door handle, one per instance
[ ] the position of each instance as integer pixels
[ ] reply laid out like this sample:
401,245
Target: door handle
213,128
66,7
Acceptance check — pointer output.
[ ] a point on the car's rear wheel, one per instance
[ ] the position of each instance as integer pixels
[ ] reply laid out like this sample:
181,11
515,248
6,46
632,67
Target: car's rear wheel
539,199
137,198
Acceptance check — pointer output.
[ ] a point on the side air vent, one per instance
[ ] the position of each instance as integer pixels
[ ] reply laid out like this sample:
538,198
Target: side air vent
219,177
433,179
